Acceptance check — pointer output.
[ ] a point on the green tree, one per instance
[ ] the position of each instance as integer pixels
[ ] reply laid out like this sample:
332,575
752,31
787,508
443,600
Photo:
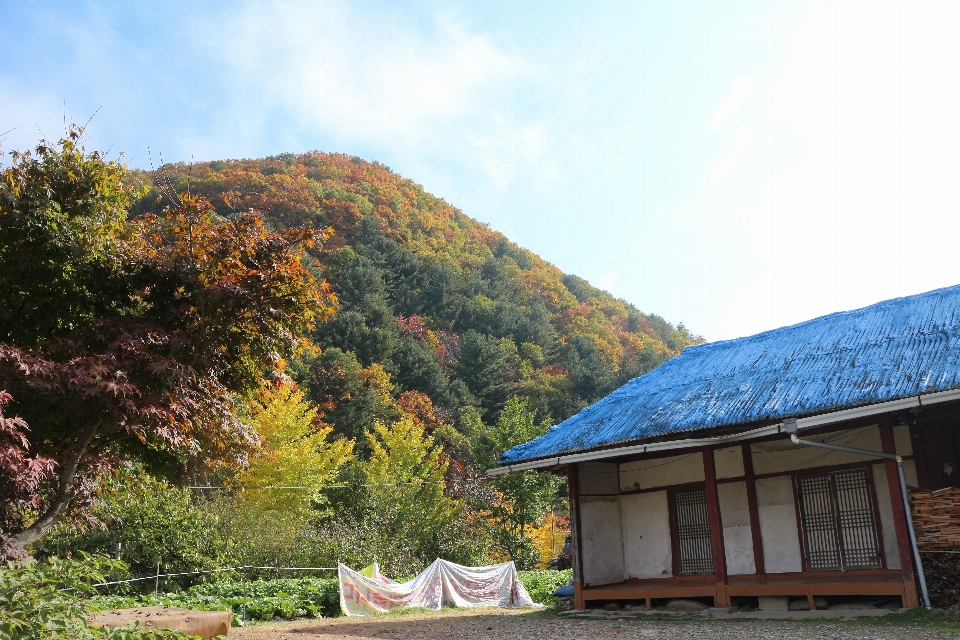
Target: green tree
593,377
523,497
395,507
485,365
365,326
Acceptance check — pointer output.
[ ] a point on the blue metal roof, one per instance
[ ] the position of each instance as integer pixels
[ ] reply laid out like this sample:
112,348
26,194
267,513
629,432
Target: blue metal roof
891,350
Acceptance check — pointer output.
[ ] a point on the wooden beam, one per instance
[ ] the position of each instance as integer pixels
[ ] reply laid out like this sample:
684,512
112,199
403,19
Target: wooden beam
910,599
822,589
721,599
754,510
919,456
573,490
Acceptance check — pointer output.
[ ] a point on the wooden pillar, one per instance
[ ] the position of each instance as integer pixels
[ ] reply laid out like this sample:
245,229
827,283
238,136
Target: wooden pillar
716,529
751,482
919,456
573,490
910,598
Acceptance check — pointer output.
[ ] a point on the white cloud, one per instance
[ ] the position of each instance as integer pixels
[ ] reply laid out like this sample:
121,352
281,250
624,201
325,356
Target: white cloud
607,281
740,143
840,188
741,90
378,79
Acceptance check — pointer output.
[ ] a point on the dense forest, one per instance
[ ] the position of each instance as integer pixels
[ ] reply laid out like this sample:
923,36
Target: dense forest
443,304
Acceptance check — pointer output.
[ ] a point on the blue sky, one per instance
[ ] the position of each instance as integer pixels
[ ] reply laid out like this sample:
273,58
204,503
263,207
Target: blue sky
736,166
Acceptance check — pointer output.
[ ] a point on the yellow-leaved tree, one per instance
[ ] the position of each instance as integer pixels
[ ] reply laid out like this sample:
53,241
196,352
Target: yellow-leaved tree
413,518
296,458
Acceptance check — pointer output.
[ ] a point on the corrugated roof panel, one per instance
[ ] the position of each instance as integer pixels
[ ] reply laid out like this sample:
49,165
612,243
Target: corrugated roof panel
888,351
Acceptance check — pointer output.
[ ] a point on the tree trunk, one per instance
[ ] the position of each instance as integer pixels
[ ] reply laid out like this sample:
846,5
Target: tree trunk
65,491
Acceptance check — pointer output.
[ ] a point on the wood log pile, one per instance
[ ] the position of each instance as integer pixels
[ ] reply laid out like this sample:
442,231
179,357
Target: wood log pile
936,518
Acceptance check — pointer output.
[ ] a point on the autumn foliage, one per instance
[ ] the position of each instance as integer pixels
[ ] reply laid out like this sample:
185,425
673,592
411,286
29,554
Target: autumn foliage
157,323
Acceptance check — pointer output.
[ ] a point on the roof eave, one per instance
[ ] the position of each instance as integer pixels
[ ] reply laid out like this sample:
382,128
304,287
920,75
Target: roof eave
773,429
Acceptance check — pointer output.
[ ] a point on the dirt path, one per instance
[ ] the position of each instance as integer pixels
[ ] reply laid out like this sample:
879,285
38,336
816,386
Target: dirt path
495,624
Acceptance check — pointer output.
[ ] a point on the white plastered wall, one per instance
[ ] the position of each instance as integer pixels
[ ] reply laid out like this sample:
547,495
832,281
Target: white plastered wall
602,540
885,508
728,463
647,548
661,472
598,479
902,441
782,455
910,473
778,525
737,537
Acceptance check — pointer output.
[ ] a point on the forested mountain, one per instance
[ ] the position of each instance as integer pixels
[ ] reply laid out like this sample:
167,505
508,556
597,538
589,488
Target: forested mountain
436,309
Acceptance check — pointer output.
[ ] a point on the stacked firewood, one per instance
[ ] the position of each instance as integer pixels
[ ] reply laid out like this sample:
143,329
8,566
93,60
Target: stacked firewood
943,579
936,518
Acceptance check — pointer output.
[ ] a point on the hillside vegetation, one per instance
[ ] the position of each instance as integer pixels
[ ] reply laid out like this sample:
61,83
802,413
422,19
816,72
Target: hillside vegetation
444,305
287,362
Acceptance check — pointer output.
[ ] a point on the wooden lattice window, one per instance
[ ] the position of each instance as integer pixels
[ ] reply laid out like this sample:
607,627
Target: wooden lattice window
692,526
839,524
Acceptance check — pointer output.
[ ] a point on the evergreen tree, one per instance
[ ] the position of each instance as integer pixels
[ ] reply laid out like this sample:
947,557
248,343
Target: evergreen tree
352,398
592,376
365,325
484,366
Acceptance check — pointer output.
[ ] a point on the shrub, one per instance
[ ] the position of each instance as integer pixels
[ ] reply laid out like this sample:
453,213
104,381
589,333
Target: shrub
541,584
42,600
151,520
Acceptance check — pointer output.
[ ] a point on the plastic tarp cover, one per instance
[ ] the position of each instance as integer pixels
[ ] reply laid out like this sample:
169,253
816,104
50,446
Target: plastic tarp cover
442,584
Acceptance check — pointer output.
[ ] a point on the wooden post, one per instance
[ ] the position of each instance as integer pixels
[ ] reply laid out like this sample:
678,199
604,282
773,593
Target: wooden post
716,529
919,456
751,483
910,598
573,490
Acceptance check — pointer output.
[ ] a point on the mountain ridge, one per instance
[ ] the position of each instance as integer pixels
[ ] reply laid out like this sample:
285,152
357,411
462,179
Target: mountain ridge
420,280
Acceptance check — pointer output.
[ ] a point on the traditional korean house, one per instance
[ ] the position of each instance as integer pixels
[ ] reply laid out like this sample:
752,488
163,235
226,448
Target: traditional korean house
768,465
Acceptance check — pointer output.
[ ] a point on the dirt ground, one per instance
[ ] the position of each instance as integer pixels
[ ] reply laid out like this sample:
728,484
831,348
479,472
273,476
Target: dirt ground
497,624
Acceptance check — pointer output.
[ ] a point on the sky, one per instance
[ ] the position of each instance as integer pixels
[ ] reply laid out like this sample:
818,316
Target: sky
735,166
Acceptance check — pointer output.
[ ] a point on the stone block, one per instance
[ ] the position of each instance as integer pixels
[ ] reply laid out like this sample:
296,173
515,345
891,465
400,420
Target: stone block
774,603
801,604
691,606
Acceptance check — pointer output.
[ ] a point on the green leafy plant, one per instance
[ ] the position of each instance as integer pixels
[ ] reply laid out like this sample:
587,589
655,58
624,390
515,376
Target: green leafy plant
541,584
288,598
43,599
255,600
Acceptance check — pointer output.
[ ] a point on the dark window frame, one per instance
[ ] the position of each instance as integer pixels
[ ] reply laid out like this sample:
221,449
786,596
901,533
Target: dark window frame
864,532
692,554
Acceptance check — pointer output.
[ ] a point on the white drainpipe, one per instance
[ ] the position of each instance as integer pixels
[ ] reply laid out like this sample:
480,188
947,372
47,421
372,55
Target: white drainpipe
903,491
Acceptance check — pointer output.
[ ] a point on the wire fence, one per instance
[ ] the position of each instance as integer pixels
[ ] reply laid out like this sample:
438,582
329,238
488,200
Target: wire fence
313,488
159,575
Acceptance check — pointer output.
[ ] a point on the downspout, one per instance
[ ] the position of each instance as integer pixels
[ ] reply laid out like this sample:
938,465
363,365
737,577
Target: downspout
903,491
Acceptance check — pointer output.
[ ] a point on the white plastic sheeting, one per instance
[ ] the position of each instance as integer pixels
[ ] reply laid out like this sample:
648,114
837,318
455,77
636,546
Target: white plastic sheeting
442,584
